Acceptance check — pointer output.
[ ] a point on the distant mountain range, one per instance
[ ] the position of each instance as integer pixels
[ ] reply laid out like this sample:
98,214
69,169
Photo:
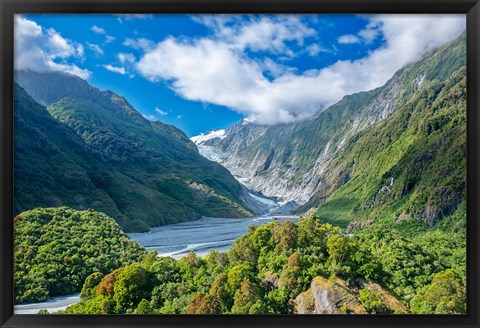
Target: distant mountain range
81,147
396,152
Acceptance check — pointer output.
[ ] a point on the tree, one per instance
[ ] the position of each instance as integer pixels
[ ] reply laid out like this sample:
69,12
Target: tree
445,295
237,274
107,284
290,276
132,285
245,297
165,269
90,286
285,236
337,247
144,307
204,304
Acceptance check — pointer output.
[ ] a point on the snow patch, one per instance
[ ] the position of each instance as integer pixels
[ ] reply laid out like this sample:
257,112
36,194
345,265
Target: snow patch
198,140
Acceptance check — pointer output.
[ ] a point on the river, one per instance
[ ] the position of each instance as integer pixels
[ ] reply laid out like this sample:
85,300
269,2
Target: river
54,304
199,236
174,240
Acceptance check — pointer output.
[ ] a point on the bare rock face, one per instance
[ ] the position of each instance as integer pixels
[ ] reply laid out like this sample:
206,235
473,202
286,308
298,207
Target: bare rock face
290,161
443,202
328,297
392,303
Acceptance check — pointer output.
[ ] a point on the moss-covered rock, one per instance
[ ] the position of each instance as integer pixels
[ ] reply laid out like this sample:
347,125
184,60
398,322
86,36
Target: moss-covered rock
328,296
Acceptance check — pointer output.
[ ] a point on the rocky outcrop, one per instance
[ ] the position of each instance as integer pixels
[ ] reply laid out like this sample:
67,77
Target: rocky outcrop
442,202
328,297
334,296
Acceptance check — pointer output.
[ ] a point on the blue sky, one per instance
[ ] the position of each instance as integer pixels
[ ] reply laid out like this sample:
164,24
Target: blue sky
206,72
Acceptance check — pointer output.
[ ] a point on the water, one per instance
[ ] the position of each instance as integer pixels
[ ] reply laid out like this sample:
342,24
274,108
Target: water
52,305
200,236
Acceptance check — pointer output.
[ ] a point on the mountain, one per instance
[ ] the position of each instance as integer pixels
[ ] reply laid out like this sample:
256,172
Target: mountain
91,149
402,143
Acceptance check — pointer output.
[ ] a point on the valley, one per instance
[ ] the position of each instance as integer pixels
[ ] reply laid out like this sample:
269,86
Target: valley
364,202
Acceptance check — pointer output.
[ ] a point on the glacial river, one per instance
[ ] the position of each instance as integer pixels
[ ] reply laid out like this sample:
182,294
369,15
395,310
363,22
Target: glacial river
174,240
200,236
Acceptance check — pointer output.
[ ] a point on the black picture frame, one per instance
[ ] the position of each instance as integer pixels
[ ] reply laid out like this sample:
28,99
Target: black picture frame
9,7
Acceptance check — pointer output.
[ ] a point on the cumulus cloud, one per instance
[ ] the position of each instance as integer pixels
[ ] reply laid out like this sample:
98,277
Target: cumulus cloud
102,31
161,112
217,69
41,50
314,49
98,30
126,57
268,33
96,49
140,44
348,39
119,70
109,38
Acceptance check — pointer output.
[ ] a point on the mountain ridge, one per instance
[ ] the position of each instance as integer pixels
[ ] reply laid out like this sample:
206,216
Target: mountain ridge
127,163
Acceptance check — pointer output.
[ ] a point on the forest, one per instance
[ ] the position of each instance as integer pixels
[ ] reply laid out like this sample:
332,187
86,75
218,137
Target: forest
274,268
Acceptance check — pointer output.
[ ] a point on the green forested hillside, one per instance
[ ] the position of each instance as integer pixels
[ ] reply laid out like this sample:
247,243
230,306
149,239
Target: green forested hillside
100,153
278,268
57,248
409,168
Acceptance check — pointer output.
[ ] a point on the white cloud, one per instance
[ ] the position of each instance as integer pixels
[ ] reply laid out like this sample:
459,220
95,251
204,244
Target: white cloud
102,31
96,49
98,30
109,38
314,49
80,51
128,17
348,39
275,69
140,44
41,50
150,117
217,70
119,70
179,117
161,112
268,33
126,57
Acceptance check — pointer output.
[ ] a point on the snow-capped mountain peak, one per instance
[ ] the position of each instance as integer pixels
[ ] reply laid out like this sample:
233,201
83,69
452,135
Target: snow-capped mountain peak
201,138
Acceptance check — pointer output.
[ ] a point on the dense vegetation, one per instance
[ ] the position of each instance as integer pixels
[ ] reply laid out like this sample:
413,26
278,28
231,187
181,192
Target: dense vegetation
95,151
56,249
267,268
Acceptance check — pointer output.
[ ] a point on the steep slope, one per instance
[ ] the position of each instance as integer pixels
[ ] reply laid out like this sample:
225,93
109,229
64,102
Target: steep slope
295,161
110,158
411,165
